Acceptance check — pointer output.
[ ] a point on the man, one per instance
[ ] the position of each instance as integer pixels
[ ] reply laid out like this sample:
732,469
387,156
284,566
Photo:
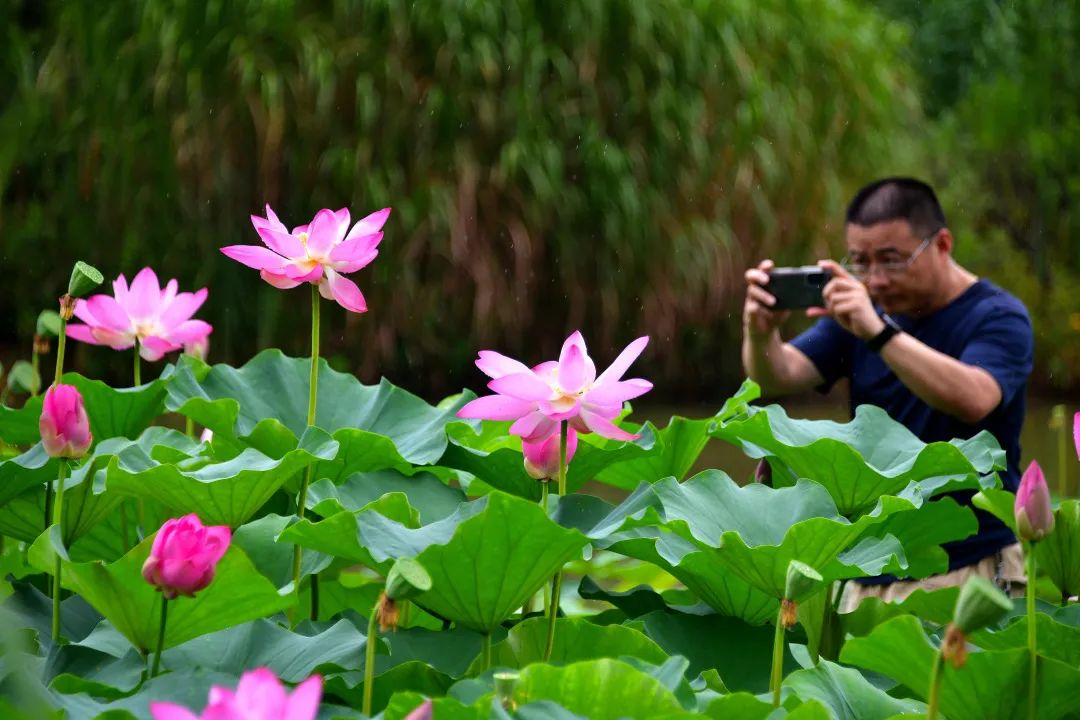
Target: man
943,352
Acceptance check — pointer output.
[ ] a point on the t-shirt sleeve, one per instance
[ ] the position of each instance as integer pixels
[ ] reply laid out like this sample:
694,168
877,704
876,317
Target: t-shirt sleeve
829,347
1003,345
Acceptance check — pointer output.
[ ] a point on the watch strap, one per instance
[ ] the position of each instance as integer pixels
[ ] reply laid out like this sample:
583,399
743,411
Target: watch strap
891,330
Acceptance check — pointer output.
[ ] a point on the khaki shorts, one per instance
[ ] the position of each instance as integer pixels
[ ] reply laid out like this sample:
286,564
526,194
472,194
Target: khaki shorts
1004,568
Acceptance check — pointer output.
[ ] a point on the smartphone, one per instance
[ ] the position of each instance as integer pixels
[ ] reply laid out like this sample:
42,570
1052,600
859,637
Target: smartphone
797,287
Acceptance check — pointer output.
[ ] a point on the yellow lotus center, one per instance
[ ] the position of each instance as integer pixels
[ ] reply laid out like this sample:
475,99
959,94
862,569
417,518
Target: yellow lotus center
565,401
147,328
310,261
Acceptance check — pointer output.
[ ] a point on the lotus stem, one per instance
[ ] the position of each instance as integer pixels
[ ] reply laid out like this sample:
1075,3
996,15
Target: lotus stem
1033,664
1063,466
137,370
487,653
936,673
313,394
160,636
35,363
556,583
67,306
563,428
777,674
369,659
58,520
189,427
124,528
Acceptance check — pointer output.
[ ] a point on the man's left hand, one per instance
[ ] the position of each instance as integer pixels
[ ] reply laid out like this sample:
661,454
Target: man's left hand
848,302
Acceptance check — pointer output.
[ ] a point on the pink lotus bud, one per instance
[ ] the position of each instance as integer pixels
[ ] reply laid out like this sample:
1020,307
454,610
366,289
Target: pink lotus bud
422,712
1034,517
198,348
65,429
184,556
206,436
258,696
542,458
1076,433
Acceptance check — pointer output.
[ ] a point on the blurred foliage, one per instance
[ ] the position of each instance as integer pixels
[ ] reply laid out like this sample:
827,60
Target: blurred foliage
608,165
1003,80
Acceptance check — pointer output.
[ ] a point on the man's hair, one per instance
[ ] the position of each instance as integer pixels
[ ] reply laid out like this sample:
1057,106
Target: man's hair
898,198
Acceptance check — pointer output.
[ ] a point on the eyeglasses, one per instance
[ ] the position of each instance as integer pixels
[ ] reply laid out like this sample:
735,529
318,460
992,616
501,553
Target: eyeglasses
888,267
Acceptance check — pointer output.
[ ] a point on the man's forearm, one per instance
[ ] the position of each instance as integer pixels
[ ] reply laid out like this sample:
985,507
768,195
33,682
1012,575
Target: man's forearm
941,381
774,365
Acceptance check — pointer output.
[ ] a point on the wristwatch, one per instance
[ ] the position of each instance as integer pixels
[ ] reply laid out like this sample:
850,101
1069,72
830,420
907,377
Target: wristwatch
887,333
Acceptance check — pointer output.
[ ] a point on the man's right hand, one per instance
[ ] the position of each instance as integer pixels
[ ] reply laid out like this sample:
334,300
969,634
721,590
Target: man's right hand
759,319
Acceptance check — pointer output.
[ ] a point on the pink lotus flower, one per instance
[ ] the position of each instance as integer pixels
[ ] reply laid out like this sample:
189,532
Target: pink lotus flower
1034,517
159,319
542,397
542,458
317,253
259,696
423,711
1076,433
184,556
65,429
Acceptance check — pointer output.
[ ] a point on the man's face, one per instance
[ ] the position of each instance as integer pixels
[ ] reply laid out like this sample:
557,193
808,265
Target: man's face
900,268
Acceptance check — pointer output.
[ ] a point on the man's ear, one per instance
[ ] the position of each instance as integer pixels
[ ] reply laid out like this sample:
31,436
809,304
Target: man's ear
944,240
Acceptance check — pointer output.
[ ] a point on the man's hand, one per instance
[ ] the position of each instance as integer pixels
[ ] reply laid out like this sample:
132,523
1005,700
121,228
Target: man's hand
848,302
759,319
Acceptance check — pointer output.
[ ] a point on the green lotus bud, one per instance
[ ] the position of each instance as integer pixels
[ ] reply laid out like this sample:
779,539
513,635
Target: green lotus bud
23,378
980,604
407,579
48,324
802,581
84,278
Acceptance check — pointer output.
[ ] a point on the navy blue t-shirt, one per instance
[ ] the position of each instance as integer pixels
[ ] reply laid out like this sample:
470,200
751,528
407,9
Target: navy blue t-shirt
985,327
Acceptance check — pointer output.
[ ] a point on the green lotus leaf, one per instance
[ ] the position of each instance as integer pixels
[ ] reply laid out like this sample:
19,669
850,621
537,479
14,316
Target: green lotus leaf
221,493
22,474
73,669
603,689
113,412
754,531
494,456
678,446
485,561
412,675
237,594
846,693
1058,554
998,503
921,531
377,426
635,602
1054,639
992,685
711,581
575,639
740,705
343,535
741,653
274,560
862,460
432,499
935,606
292,655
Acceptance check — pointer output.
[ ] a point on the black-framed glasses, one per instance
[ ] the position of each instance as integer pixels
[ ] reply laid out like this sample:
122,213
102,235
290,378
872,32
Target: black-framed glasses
888,267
